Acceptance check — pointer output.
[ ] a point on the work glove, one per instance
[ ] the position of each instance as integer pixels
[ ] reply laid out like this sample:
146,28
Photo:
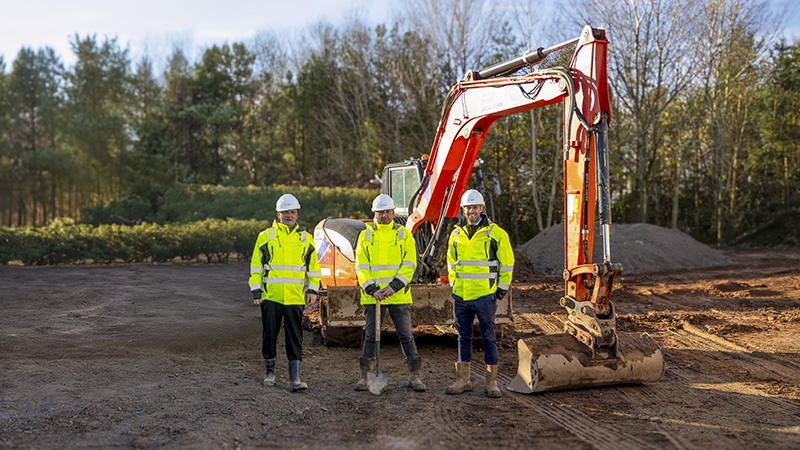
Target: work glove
500,293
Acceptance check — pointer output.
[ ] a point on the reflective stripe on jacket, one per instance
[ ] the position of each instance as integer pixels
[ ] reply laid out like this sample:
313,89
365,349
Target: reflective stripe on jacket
284,265
386,254
479,265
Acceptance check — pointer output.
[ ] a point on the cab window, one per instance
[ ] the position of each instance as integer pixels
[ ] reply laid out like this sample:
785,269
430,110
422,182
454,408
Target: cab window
404,183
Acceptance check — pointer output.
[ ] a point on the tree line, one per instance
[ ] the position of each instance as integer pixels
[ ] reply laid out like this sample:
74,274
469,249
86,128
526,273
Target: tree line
704,131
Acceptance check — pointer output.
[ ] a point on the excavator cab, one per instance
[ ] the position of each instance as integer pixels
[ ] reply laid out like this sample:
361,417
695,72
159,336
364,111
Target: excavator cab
335,238
401,182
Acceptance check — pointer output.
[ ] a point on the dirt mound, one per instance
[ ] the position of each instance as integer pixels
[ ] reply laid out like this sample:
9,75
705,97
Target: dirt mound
523,268
639,247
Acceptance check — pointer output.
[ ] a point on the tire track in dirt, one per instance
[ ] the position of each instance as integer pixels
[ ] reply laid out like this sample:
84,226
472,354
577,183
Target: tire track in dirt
545,323
687,384
577,423
745,402
442,428
444,425
449,427
758,367
646,394
762,366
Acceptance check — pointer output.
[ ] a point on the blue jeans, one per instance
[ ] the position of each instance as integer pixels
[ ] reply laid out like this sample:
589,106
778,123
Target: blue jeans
464,313
401,316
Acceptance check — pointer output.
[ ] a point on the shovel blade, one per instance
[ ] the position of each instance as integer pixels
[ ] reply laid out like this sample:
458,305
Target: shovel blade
377,381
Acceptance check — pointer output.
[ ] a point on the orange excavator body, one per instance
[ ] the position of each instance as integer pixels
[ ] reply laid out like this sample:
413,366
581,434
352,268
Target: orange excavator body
590,352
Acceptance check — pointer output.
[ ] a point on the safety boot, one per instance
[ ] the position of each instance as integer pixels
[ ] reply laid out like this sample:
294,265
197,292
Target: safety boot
269,380
491,382
462,383
367,365
294,377
414,380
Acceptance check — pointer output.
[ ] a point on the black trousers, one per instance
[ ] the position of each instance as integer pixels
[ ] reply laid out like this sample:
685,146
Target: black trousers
272,314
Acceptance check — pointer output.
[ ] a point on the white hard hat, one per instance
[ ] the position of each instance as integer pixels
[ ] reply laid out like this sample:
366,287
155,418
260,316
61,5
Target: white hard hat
287,202
472,197
382,203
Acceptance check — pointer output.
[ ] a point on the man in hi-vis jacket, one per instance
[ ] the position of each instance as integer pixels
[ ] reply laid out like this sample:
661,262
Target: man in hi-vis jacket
284,277
386,257
480,262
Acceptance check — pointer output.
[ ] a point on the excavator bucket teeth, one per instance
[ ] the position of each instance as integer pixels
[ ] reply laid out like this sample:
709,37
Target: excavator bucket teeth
559,361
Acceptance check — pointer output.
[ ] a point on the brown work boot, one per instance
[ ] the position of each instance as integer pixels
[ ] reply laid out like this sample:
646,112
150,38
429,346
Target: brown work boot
367,365
462,380
491,382
414,380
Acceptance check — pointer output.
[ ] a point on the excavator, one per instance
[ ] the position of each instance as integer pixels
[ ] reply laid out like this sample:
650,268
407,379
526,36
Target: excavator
590,352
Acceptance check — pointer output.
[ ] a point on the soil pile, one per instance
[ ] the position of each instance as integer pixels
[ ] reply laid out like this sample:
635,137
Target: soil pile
523,268
639,247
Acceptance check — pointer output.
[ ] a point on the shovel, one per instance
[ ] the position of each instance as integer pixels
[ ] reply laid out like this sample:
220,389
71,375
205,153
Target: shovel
377,381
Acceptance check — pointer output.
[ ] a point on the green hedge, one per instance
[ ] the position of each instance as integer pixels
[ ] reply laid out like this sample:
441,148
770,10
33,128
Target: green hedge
188,203
211,221
65,242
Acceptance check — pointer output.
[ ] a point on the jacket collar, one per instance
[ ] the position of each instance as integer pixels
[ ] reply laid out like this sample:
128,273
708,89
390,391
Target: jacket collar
279,226
484,222
378,227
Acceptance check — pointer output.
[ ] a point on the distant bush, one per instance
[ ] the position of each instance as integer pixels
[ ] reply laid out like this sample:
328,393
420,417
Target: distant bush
130,210
66,242
187,203
783,230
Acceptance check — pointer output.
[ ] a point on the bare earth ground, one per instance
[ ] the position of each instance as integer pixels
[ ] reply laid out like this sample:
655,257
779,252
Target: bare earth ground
149,356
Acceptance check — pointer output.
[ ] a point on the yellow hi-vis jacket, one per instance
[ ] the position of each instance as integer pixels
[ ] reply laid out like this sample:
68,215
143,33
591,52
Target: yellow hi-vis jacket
480,265
386,255
284,265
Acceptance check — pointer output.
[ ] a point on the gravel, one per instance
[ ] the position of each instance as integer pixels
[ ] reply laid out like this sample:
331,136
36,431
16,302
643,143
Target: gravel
639,247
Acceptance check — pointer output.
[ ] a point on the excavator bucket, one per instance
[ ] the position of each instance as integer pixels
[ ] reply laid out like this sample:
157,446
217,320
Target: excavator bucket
559,361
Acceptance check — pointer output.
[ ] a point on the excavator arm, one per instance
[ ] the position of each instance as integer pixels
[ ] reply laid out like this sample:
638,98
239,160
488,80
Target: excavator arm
471,107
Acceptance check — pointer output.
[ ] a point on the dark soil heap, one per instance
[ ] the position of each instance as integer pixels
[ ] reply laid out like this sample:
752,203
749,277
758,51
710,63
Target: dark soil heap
639,247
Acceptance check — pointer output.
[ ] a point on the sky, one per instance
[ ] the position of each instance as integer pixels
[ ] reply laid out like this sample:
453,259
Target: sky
155,27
